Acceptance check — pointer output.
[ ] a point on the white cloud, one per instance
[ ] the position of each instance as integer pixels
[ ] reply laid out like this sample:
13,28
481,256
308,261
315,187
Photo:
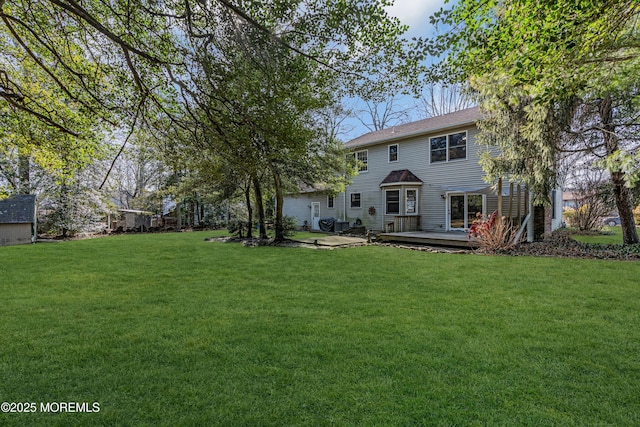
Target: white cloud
415,13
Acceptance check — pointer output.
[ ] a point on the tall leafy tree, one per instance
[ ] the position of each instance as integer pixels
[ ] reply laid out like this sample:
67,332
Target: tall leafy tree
260,80
536,66
249,73
71,68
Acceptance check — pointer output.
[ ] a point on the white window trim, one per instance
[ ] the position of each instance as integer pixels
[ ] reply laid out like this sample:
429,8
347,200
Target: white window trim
386,204
417,190
356,157
389,153
351,200
466,151
332,205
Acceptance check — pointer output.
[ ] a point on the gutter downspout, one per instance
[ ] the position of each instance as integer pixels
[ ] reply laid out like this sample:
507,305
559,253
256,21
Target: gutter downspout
384,209
344,205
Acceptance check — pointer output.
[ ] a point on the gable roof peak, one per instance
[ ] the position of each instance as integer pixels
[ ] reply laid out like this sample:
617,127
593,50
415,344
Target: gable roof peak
468,116
402,176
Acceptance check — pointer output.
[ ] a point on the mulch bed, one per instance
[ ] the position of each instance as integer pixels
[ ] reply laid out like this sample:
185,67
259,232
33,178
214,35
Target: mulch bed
560,244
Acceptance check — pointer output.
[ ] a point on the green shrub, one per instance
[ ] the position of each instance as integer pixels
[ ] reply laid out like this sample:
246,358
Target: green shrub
289,226
237,227
569,217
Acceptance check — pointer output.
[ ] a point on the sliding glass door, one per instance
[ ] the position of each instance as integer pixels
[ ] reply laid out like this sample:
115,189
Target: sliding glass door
463,208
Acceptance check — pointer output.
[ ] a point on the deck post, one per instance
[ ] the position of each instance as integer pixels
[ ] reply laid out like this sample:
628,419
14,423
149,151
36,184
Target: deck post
530,226
519,201
499,197
510,202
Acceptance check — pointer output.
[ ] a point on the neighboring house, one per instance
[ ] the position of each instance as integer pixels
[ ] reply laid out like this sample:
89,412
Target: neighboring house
18,224
569,200
421,176
131,219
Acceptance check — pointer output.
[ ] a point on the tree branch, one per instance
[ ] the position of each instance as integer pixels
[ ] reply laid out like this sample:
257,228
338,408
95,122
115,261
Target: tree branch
46,120
75,9
126,140
242,14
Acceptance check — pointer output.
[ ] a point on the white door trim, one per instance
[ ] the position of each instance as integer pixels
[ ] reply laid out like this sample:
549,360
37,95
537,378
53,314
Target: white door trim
315,219
466,208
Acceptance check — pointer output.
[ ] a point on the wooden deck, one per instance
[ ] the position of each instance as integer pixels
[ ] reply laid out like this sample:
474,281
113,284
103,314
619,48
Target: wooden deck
458,239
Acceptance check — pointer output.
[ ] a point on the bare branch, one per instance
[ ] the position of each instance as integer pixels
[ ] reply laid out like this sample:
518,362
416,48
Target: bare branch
281,42
133,128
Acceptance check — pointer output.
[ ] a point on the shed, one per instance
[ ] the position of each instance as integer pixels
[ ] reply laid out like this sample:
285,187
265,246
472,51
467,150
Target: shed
131,219
18,220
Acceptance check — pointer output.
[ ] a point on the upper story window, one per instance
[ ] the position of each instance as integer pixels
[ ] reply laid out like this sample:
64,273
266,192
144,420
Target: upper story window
393,153
449,147
362,158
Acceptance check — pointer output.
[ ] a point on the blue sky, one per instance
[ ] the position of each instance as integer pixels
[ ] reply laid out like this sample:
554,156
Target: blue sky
415,14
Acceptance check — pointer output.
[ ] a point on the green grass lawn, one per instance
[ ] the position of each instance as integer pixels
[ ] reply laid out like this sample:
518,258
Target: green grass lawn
613,236
170,330
308,235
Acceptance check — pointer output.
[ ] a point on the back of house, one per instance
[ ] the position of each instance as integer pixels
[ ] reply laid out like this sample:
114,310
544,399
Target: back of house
420,176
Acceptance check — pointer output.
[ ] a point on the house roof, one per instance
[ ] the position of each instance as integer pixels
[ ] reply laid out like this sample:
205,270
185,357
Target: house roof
306,188
420,127
403,176
135,211
18,209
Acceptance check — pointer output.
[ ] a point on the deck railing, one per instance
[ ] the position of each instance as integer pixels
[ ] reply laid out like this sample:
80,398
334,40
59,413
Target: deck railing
402,223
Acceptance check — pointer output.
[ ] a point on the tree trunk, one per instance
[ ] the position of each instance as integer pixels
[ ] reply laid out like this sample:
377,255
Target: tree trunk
191,215
24,175
64,195
247,196
620,191
625,209
261,221
178,216
279,202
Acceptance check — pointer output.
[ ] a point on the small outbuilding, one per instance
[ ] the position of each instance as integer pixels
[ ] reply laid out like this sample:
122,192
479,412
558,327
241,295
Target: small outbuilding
132,219
18,220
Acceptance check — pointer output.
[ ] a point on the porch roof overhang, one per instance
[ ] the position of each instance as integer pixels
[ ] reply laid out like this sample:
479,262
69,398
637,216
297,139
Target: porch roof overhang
401,177
484,189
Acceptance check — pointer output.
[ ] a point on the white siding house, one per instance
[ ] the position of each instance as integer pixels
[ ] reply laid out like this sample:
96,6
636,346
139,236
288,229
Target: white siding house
421,176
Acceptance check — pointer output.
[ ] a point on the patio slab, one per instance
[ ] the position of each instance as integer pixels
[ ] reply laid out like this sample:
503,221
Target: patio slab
332,240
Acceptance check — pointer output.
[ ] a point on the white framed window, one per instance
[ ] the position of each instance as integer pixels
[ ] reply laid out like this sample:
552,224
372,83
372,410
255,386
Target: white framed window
393,153
330,202
392,202
356,200
362,160
446,148
411,201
